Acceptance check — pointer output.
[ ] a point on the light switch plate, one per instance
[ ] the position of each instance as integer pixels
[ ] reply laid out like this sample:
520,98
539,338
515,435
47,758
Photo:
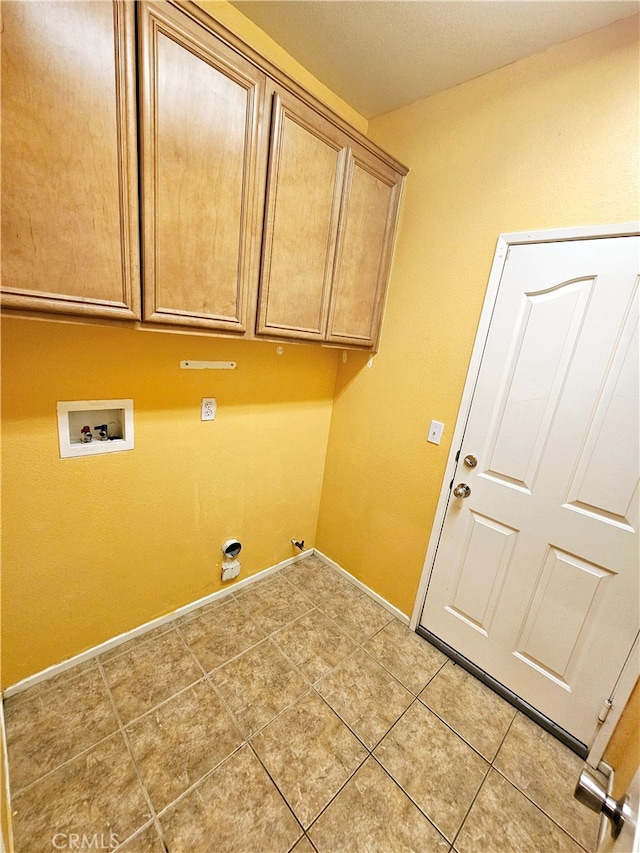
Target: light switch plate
435,432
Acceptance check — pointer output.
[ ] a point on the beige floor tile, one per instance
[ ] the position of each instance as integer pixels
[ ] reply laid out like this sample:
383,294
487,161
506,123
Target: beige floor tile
309,753
150,673
186,733
412,660
131,645
365,696
95,794
180,741
220,633
357,614
372,814
146,841
303,846
316,580
315,644
236,809
438,770
471,708
273,603
258,685
502,819
52,722
206,609
546,771
58,680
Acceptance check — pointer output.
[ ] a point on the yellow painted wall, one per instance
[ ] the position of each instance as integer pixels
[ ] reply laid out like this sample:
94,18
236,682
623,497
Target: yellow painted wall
95,546
548,142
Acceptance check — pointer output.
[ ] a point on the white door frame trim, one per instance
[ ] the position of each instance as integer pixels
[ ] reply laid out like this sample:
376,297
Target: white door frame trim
505,241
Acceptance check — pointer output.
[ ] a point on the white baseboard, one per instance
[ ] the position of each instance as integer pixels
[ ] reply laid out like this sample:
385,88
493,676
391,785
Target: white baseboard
374,595
112,643
6,844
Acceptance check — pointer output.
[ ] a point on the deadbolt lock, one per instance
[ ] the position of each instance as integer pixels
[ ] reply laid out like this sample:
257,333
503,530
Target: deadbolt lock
470,460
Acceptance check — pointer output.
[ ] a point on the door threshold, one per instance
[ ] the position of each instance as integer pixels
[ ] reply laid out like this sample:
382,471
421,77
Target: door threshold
512,698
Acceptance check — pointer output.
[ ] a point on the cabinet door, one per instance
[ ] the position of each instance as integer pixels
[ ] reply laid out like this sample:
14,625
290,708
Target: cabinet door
306,169
69,154
201,105
365,244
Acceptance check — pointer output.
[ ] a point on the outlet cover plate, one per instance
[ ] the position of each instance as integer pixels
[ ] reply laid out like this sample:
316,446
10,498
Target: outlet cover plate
208,409
230,569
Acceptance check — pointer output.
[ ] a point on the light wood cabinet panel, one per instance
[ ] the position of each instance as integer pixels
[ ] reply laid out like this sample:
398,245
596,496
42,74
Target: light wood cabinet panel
260,216
306,170
332,208
365,244
201,104
69,158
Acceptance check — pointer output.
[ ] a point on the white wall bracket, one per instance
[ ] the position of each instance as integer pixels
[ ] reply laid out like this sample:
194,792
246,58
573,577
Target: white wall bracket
208,365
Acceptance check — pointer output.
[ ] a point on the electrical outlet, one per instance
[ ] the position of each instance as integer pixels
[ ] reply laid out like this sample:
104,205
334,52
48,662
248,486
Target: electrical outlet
435,432
208,409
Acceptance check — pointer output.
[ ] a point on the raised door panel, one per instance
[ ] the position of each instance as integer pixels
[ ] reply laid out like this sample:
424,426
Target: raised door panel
69,158
201,105
536,576
365,243
306,170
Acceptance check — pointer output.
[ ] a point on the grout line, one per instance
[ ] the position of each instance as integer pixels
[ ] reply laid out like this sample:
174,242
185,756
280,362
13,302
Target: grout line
471,804
19,791
543,811
135,834
67,761
456,733
392,674
208,677
501,744
277,787
391,608
139,631
514,785
349,777
409,797
345,723
123,732
162,812
191,654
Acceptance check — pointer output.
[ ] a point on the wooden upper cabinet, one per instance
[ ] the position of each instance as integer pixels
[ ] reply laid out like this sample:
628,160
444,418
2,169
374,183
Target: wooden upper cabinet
330,219
200,109
261,212
365,244
69,158
306,172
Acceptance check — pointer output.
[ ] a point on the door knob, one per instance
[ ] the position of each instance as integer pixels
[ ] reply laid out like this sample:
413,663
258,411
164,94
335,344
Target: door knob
592,794
461,491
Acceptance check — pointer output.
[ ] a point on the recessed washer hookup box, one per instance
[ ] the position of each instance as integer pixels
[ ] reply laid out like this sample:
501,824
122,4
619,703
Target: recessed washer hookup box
89,427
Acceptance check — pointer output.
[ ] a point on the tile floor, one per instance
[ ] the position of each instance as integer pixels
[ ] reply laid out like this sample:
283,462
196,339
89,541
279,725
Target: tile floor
296,714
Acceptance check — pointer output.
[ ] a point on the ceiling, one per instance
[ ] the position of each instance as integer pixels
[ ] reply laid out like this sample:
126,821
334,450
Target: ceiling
379,55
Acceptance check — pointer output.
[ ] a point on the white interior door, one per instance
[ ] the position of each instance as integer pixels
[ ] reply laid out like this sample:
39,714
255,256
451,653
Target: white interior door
535,578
